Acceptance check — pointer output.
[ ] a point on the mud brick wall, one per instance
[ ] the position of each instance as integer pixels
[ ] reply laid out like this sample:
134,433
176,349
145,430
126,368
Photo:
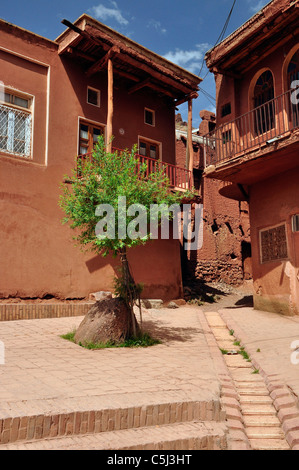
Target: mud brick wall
226,252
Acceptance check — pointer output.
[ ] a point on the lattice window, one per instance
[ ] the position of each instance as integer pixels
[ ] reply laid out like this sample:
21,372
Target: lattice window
15,131
273,243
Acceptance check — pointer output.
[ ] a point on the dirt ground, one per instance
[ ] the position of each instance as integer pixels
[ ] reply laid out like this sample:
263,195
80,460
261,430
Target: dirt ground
216,296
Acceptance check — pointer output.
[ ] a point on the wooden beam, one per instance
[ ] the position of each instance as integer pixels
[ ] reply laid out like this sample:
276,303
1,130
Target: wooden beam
80,54
192,95
99,64
127,75
139,85
82,33
163,90
110,106
190,156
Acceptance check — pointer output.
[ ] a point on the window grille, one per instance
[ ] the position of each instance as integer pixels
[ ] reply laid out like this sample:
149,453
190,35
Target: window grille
273,243
15,131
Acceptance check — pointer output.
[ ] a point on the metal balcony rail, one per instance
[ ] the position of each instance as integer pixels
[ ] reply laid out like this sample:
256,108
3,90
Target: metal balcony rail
269,121
179,178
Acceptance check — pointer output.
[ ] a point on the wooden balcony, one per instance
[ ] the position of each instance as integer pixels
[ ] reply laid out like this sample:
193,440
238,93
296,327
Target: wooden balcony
253,131
180,179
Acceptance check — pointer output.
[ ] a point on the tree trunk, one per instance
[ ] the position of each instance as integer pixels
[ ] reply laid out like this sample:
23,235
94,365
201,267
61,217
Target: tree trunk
131,292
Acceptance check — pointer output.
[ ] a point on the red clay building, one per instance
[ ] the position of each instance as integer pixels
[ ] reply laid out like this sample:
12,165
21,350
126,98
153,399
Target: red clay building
254,149
59,96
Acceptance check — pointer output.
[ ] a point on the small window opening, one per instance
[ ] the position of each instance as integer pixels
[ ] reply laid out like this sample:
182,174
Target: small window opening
149,117
93,96
226,110
295,223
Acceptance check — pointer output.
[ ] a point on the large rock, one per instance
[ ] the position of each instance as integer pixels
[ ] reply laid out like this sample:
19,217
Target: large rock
151,303
107,320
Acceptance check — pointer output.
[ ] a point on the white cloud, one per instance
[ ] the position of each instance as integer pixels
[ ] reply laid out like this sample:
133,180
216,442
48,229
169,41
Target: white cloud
257,6
157,26
191,59
102,13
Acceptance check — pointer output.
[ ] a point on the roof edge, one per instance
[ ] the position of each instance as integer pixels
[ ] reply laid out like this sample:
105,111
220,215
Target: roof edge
87,19
267,13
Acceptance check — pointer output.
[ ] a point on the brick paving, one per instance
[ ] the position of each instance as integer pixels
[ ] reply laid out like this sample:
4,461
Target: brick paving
52,387
55,394
267,338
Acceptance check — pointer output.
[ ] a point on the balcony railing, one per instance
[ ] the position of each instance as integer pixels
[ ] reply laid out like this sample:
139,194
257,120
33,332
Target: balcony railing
179,178
272,120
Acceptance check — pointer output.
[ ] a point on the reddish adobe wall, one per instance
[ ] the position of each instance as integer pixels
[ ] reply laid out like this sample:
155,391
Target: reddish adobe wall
276,286
37,254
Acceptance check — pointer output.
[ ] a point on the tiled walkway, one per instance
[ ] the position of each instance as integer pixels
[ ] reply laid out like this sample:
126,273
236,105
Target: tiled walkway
51,387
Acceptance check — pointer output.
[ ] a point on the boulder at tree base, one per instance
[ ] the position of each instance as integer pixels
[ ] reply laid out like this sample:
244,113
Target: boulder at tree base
107,320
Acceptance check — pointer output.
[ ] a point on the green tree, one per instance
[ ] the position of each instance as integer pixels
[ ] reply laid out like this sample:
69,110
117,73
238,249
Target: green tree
117,181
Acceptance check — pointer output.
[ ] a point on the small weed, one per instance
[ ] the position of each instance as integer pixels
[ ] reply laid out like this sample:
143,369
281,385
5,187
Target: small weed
256,371
231,332
244,354
224,351
204,298
69,336
195,302
237,343
258,350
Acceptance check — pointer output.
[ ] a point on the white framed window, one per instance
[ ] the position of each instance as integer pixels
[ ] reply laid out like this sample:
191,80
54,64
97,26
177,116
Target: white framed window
149,117
149,148
295,223
16,123
88,136
93,96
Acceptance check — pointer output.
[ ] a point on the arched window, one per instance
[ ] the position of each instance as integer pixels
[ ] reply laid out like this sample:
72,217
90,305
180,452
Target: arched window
263,104
293,76
293,69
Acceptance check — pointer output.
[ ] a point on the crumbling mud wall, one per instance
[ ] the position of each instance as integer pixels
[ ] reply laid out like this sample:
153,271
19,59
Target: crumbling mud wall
225,255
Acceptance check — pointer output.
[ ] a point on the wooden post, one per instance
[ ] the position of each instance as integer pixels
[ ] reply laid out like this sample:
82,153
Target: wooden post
190,156
110,106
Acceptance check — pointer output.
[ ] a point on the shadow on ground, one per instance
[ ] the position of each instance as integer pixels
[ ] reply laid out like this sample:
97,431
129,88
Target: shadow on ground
246,301
167,333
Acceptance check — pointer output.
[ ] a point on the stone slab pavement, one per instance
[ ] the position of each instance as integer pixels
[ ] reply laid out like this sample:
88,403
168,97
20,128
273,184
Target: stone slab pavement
44,373
269,337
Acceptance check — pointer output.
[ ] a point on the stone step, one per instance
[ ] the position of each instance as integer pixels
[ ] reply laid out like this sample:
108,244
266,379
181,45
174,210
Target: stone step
269,444
261,421
237,360
258,409
264,432
246,375
255,399
253,392
252,385
94,420
180,436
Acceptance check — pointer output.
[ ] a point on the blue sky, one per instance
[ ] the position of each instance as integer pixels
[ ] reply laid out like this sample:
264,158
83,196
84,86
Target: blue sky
181,31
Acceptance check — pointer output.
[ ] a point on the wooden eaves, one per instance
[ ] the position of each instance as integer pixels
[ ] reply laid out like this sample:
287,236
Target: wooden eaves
94,43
